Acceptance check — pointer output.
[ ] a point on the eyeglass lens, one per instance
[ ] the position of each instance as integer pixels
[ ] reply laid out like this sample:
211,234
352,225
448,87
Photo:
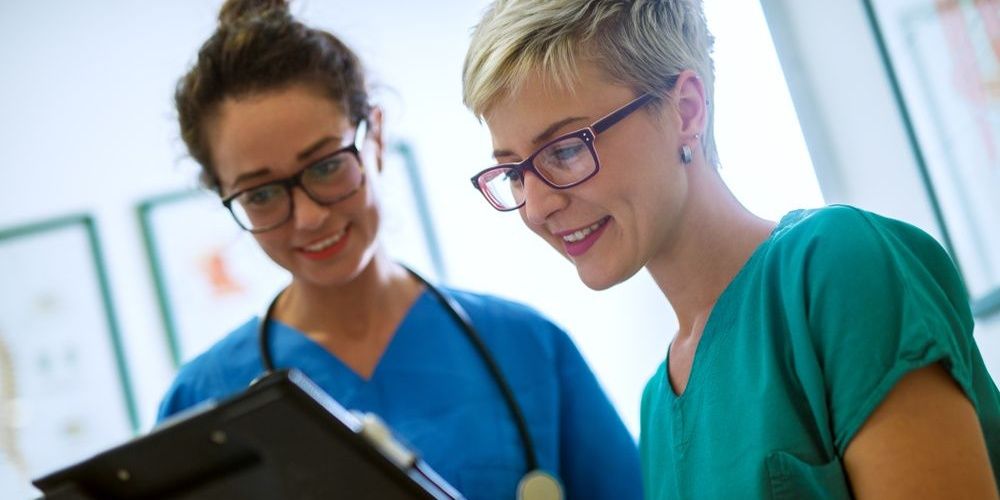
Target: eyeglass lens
326,181
561,163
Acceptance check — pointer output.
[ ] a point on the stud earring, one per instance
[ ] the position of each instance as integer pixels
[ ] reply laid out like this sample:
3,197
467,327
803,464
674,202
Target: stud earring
686,154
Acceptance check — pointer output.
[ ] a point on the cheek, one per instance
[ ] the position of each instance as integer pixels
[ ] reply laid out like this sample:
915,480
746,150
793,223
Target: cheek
372,205
524,219
649,183
373,217
540,231
366,211
274,244
271,240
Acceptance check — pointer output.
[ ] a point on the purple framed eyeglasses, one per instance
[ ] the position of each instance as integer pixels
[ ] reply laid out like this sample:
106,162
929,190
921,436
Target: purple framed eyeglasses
566,161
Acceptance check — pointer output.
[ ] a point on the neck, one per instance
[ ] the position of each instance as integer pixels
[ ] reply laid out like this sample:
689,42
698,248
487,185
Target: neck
356,309
712,241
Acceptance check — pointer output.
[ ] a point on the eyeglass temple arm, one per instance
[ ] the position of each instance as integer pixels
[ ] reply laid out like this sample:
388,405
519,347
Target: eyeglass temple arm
616,116
602,124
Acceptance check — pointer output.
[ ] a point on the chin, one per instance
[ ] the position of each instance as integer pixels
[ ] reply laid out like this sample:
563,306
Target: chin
598,282
340,272
605,278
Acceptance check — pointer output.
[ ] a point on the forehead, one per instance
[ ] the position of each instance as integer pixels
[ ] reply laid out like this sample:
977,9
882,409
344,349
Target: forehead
270,128
538,103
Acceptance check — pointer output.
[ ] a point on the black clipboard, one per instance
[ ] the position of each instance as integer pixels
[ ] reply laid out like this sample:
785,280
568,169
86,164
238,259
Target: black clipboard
281,438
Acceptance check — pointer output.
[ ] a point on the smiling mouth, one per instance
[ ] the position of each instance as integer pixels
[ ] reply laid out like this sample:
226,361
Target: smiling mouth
319,246
580,234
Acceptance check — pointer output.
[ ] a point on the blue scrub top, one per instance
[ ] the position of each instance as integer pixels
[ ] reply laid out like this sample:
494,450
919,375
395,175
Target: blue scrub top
436,393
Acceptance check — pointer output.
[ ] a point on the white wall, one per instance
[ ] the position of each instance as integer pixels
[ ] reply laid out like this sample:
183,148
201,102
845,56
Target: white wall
88,126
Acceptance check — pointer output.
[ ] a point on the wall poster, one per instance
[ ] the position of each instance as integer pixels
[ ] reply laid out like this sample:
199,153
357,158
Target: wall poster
64,389
946,57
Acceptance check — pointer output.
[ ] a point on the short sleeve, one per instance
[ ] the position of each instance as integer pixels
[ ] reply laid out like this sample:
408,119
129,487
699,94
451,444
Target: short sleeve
185,393
882,299
221,371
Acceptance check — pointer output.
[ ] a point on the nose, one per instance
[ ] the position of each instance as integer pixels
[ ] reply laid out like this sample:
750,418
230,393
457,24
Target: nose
307,214
540,200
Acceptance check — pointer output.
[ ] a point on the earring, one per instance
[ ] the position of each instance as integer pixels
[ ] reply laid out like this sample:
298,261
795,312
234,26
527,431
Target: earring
686,154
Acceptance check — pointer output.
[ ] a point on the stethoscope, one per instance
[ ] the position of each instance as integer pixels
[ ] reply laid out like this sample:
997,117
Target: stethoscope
536,484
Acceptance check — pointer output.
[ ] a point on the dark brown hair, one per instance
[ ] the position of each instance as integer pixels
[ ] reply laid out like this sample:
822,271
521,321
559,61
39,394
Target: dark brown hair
258,47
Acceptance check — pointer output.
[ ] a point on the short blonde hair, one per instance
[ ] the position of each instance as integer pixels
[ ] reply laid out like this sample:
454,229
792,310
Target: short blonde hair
643,44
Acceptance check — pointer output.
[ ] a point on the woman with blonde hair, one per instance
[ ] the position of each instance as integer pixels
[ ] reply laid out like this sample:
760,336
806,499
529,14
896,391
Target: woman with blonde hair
825,355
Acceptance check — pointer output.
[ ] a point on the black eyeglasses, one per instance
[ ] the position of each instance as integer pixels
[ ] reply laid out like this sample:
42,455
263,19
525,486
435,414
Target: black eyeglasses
564,162
331,179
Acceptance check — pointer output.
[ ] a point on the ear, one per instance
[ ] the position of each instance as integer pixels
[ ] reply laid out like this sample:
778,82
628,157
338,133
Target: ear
376,134
692,109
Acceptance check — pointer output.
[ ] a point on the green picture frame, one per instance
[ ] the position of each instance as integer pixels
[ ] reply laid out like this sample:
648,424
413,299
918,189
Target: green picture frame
942,57
63,370
208,274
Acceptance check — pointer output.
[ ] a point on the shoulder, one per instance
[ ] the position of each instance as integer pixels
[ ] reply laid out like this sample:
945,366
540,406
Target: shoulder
225,368
846,230
853,276
843,250
857,276
236,352
507,322
830,242
496,308
836,227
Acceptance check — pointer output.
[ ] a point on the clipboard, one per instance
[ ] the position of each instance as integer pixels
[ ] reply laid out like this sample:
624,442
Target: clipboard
283,437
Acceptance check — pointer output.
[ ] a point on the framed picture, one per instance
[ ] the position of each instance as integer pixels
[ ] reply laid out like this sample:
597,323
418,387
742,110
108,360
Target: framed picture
211,276
944,57
64,387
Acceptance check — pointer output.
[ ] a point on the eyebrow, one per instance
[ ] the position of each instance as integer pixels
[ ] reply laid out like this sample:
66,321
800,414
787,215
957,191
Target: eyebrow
248,176
323,141
302,155
544,136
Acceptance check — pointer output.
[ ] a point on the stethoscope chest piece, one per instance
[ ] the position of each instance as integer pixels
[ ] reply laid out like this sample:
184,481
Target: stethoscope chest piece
539,485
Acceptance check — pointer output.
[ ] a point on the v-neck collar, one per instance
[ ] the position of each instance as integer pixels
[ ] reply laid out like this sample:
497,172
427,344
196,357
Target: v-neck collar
719,320
291,348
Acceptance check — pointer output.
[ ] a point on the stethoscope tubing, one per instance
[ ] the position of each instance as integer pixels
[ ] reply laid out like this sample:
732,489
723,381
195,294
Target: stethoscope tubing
457,313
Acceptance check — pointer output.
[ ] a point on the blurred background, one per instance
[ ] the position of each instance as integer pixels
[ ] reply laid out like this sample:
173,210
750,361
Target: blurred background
113,268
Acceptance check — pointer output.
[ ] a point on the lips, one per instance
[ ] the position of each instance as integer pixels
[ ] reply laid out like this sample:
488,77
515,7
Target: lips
578,241
326,247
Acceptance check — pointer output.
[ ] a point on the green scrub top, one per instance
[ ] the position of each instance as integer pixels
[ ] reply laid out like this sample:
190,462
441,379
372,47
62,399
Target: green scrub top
810,336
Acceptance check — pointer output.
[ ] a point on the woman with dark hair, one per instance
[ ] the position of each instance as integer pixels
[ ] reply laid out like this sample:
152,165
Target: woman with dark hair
278,115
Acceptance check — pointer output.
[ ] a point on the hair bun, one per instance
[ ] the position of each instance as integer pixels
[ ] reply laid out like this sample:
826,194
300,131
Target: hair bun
236,11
